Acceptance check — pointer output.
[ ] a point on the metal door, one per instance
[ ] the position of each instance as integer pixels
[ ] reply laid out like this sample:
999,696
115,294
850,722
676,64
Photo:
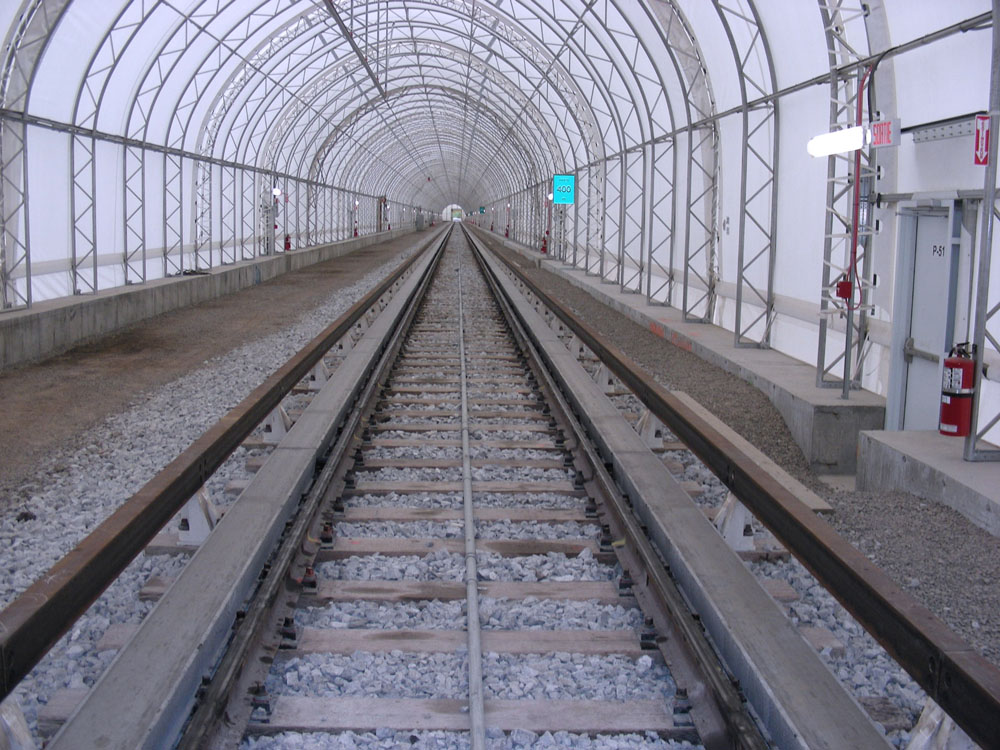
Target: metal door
931,320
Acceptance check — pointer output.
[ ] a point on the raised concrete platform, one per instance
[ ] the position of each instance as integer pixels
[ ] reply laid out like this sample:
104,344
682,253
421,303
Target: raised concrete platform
823,424
54,326
930,465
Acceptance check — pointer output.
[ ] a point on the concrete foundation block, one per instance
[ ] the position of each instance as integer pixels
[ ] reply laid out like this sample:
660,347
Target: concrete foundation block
930,465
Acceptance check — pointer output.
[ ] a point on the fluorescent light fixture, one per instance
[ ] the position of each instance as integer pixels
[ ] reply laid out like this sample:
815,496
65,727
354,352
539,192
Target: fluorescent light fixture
837,142
276,192
550,196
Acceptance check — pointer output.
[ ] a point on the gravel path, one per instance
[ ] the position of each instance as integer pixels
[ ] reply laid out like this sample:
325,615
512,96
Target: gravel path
948,563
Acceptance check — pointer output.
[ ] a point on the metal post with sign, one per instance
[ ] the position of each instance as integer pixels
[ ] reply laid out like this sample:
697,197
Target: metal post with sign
986,155
563,194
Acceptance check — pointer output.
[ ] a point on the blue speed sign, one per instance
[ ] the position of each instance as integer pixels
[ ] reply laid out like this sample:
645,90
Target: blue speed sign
564,188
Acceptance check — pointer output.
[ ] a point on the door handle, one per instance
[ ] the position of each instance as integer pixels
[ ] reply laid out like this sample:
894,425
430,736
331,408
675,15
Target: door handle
910,351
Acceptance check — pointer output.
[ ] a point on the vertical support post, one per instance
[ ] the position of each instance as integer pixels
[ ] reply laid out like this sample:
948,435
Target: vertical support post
15,239
971,452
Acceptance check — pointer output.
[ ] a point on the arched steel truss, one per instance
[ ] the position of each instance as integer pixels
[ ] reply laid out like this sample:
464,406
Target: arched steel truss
209,106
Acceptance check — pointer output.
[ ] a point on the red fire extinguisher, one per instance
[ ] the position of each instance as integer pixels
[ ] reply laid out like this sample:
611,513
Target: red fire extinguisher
288,242
956,392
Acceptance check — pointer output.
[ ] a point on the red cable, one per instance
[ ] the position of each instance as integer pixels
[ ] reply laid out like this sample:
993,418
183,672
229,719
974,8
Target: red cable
853,276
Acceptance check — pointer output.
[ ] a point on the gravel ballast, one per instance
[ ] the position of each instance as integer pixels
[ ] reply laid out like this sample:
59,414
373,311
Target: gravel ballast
77,487
495,740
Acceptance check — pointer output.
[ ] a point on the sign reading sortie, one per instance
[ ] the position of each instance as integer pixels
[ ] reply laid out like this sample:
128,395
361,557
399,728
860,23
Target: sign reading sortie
981,155
883,133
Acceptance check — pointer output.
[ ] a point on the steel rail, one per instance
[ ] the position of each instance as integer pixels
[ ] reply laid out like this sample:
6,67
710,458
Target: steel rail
477,720
959,679
34,621
210,707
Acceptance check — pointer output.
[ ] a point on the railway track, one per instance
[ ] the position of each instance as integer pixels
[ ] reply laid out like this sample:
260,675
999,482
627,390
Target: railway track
462,510
461,535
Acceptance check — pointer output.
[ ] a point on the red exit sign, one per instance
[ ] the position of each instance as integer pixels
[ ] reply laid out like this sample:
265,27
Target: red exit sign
981,152
884,133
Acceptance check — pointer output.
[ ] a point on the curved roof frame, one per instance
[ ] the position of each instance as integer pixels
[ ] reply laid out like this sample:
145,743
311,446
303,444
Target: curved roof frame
356,169
209,42
299,135
511,96
230,99
758,202
24,45
342,159
304,21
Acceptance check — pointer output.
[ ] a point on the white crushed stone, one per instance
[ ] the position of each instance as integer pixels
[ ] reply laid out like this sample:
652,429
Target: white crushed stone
544,500
410,451
512,434
520,739
441,566
454,473
553,566
392,674
864,668
552,614
520,474
531,530
399,674
522,454
421,434
392,474
451,421
406,500
455,529
564,676
394,406
423,615
445,566
495,614
512,421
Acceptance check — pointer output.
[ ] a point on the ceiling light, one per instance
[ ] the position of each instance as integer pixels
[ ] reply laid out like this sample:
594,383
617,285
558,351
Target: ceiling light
837,142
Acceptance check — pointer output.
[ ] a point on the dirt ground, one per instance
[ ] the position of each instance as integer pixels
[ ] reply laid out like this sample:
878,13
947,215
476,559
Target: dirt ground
53,401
